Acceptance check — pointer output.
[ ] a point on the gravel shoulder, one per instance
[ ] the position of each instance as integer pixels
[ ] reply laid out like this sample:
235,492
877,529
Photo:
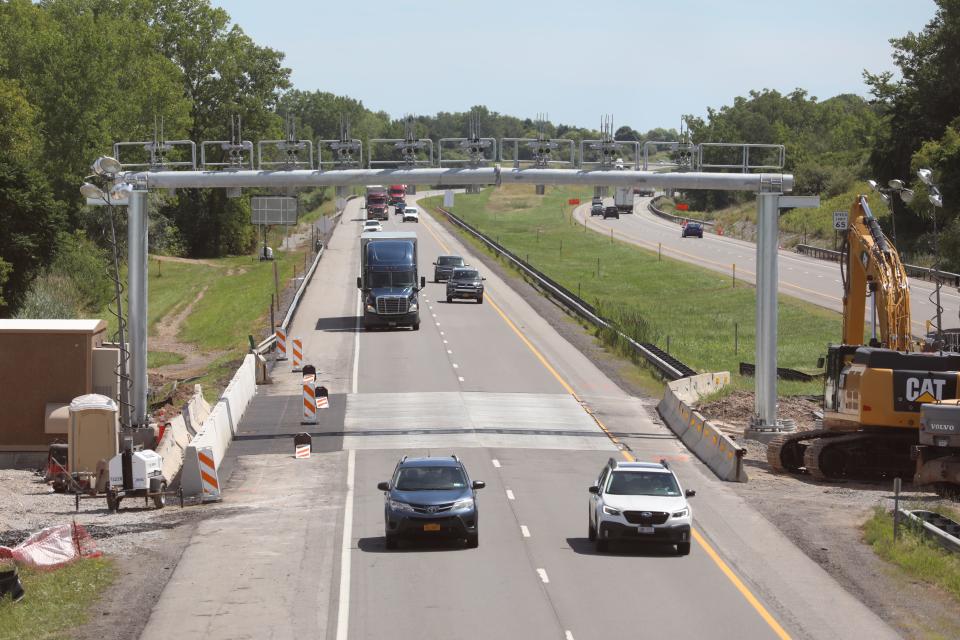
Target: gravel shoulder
824,521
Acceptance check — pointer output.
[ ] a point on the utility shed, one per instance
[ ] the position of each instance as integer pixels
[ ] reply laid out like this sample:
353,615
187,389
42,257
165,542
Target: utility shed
43,364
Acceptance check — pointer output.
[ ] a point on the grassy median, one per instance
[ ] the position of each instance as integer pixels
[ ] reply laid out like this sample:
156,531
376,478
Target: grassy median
56,602
706,319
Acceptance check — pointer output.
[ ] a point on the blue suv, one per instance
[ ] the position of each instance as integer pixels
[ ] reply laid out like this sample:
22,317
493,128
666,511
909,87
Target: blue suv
430,498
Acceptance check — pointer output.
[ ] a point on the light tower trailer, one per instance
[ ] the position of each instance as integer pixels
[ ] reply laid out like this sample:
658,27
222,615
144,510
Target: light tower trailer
138,474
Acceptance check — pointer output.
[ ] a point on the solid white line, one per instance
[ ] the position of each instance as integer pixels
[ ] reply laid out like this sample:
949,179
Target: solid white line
525,531
510,495
543,578
343,608
496,463
356,343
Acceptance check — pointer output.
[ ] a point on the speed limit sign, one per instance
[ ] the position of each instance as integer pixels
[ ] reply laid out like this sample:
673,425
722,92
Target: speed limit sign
840,220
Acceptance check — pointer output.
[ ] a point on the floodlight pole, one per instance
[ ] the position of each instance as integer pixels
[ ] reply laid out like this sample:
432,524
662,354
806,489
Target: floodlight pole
137,304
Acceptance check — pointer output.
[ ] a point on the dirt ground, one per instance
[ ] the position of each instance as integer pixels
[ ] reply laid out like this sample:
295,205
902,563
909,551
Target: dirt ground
825,520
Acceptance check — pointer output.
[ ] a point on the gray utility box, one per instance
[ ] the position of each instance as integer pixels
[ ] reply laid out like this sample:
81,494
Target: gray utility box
940,425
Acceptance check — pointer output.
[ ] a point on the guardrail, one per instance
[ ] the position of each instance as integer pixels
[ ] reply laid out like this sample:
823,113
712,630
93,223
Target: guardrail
657,211
936,526
667,365
924,273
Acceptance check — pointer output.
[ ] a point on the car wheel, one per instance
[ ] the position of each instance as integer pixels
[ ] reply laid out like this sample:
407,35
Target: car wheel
390,541
480,299
416,326
601,545
683,548
591,532
160,497
473,540
449,299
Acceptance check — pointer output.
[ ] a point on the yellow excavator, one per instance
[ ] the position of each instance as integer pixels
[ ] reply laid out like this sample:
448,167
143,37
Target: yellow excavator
874,422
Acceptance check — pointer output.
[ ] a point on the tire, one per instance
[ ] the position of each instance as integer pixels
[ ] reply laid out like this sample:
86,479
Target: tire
591,532
601,545
683,548
449,299
390,541
113,501
473,540
416,326
160,500
480,299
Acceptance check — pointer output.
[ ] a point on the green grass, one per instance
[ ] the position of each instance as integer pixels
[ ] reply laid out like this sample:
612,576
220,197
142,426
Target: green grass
56,602
919,557
695,309
163,358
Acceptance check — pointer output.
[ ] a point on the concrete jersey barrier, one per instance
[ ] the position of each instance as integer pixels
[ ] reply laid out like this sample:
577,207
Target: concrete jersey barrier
713,447
220,426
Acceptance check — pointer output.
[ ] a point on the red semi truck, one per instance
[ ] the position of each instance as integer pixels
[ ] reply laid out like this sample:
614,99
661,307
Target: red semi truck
376,203
397,193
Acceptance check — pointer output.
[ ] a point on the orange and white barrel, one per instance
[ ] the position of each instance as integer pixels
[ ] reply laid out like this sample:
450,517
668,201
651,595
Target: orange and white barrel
281,343
297,354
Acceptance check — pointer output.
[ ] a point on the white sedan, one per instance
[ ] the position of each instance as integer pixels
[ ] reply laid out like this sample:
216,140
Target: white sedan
372,225
410,214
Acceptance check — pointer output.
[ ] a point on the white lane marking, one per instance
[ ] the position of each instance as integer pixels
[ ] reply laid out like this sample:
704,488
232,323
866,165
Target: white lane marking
445,342
510,495
456,366
448,350
543,577
461,378
437,323
441,333
567,635
356,344
343,608
434,315
525,531
496,463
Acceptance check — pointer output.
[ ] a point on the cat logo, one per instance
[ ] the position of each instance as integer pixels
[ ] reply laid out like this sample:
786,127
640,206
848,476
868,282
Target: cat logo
913,388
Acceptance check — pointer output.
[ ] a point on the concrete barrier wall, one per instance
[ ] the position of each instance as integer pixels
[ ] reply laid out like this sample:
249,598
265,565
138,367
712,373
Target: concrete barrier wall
220,425
196,411
172,446
714,448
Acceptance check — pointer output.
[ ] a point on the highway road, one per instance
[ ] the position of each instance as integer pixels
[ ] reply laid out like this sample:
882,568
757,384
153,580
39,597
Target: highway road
296,549
802,277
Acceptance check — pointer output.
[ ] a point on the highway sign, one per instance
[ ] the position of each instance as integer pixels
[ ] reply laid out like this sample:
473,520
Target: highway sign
840,220
448,198
269,210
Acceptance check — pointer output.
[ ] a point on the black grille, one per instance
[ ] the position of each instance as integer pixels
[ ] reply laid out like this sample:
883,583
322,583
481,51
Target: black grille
387,305
646,518
437,508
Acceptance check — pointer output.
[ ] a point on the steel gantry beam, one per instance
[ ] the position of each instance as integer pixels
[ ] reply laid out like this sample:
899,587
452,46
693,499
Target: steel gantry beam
769,188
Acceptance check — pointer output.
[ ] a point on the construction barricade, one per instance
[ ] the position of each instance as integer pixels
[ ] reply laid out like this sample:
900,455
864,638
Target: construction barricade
302,446
297,354
281,343
309,395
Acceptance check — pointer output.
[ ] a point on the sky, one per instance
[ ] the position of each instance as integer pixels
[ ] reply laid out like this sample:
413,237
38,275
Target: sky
645,62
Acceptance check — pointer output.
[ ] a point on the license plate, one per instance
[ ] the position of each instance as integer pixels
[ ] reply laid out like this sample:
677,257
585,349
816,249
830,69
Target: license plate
436,527
644,529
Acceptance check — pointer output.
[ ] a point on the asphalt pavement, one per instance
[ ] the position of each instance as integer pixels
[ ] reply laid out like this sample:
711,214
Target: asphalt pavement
298,547
803,277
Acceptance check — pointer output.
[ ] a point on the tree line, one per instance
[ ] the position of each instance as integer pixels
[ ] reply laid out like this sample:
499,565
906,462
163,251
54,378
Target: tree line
78,75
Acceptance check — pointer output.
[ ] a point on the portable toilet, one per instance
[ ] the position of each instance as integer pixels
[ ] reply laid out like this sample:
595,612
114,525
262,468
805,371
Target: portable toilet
94,432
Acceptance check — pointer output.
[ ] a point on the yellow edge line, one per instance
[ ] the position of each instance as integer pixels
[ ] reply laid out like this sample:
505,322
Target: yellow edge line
723,566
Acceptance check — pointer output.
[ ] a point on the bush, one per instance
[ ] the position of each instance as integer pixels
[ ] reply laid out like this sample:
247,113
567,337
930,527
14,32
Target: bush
83,265
50,296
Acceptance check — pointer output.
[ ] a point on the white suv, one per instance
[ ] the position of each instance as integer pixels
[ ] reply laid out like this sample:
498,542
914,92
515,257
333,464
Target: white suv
639,502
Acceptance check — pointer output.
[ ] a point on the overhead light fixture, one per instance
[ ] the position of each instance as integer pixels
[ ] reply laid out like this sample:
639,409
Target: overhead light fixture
92,191
936,199
107,166
886,197
906,195
926,176
896,184
873,184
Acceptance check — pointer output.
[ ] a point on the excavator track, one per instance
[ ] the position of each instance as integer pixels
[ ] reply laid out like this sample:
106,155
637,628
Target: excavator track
860,456
785,453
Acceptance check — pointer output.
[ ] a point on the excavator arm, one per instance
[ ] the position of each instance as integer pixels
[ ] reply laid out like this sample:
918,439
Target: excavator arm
871,262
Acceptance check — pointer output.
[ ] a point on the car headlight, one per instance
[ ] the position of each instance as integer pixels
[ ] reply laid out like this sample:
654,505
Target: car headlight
610,511
371,308
400,506
466,503
683,513
413,306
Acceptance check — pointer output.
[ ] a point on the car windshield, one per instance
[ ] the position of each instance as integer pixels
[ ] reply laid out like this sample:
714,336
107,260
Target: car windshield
465,275
372,223
430,479
392,279
693,225
450,261
642,483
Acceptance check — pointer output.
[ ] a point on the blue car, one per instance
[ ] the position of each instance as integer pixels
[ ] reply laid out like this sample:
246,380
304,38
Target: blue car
430,498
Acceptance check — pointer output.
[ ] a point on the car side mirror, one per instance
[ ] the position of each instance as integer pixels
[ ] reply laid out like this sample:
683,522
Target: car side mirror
483,278
383,486
820,362
434,264
423,282
689,493
479,484
594,489
359,283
